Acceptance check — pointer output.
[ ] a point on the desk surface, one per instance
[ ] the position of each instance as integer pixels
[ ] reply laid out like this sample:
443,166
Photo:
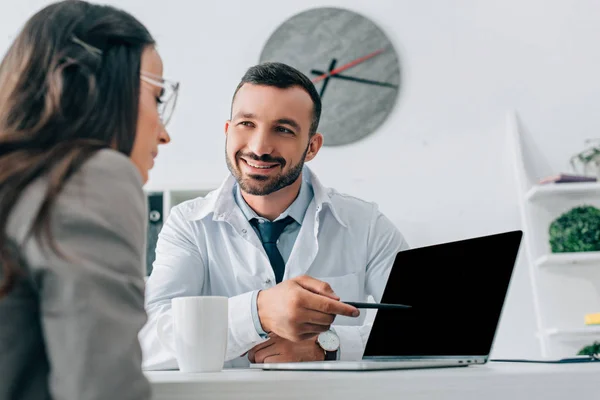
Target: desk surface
513,381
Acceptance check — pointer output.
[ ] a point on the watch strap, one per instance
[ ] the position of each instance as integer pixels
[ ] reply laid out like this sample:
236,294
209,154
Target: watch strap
330,355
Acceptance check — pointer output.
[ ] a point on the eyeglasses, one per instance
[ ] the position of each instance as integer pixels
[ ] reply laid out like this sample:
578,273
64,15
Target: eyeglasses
168,95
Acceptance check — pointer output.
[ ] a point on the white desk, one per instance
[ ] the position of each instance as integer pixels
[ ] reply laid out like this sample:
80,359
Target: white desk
493,381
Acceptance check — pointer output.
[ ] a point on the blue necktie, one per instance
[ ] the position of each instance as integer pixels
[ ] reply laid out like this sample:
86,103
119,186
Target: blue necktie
269,232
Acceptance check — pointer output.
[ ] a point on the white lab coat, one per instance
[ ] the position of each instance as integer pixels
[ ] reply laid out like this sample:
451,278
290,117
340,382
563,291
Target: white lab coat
207,247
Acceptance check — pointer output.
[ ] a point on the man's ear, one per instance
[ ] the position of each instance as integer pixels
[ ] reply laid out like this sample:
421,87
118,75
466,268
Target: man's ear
314,145
227,123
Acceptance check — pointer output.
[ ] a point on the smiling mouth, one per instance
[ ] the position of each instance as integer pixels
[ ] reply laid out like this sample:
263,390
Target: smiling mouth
259,165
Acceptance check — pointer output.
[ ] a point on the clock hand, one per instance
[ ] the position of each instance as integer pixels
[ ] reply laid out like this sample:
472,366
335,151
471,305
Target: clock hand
348,65
326,81
354,79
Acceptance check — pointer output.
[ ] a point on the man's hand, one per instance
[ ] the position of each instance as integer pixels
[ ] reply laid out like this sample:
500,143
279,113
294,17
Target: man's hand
300,308
277,349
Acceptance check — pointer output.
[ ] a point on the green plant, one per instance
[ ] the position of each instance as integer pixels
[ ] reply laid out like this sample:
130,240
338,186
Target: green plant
576,230
591,350
588,158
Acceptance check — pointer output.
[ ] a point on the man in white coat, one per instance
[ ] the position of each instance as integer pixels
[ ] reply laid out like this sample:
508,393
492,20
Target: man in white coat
282,247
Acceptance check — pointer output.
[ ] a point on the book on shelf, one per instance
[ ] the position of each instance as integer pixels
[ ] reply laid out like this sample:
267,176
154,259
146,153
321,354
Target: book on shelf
592,319
567,178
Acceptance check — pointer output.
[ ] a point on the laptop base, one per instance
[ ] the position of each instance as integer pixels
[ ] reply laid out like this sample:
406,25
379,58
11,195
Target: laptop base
364,365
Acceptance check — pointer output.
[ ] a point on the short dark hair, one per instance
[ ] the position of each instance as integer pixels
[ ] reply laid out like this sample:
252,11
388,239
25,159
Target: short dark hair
283,76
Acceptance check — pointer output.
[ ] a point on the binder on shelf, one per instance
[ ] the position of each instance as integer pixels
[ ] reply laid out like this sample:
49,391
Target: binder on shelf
155,223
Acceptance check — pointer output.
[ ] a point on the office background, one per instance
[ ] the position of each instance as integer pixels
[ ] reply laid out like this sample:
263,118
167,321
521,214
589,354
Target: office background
441,165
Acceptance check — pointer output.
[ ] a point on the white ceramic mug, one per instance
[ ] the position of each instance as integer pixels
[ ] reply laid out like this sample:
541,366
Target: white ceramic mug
200,328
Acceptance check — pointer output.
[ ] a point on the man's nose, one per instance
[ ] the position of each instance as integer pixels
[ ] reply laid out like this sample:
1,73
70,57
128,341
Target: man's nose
261,142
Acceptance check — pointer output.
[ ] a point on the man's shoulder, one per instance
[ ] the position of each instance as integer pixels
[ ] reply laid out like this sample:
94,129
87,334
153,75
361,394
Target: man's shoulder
343,204
357,212
346,204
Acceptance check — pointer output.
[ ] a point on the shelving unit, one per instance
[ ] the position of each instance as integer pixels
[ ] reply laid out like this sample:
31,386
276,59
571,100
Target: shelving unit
565,286
568,335
547,192
587,259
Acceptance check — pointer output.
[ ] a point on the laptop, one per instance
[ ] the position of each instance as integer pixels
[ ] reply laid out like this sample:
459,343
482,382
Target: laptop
456,291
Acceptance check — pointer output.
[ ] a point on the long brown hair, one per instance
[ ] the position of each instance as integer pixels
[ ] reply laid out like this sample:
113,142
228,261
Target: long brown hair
69,86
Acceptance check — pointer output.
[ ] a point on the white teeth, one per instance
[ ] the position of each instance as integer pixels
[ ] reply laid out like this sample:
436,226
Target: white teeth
258,166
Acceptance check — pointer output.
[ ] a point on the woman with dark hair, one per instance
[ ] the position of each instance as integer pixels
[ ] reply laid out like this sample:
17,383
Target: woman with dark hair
83,109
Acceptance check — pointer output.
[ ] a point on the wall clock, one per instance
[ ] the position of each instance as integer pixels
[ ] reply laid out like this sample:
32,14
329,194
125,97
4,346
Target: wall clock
352,63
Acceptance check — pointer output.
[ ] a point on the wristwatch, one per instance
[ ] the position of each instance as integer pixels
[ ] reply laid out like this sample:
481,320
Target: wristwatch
330,343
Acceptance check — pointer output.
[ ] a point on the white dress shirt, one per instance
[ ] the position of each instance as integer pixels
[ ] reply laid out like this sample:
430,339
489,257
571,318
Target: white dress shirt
208,247
288,236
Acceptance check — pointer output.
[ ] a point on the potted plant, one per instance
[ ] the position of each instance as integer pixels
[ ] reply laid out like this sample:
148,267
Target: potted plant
592,350
576,230
587,162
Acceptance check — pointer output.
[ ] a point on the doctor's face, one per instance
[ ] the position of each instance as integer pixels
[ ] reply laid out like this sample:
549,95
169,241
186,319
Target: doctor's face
267,138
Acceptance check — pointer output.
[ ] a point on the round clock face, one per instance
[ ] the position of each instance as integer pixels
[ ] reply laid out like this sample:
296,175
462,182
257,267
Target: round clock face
350,60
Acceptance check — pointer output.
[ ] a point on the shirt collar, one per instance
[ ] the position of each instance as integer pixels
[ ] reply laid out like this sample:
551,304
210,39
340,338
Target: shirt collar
221,202
296,210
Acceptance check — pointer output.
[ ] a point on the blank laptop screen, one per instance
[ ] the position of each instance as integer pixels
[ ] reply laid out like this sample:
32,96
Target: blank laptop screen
456,291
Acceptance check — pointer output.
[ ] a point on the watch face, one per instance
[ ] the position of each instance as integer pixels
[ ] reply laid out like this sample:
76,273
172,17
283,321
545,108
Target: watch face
329,341
351,62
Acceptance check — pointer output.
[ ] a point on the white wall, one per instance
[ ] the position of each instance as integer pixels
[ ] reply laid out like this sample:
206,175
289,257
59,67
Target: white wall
439,167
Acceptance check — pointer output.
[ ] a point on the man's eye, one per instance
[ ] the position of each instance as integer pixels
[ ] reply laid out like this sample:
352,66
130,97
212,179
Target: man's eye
159,100
246,123
284,130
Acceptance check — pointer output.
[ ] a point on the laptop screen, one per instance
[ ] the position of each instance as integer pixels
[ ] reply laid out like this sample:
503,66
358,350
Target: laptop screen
456,291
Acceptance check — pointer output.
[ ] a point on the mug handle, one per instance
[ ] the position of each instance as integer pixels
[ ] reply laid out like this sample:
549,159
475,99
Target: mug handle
161,325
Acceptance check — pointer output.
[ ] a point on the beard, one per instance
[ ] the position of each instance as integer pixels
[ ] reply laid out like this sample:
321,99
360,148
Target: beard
260,185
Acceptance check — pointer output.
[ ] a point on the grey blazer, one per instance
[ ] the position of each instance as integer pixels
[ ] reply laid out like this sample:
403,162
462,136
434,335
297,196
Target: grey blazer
69,328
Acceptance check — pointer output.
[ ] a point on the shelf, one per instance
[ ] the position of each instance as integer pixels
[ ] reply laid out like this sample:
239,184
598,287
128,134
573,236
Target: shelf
565,190
556,299
581,259
567,335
